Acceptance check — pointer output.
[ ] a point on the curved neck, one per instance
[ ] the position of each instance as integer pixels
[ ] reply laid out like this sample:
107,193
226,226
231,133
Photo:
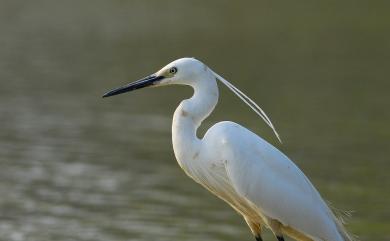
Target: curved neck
190,114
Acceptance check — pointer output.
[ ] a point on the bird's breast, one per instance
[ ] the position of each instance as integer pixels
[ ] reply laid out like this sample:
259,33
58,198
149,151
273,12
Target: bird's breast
212,175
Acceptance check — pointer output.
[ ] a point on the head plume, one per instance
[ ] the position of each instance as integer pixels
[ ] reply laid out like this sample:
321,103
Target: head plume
255,107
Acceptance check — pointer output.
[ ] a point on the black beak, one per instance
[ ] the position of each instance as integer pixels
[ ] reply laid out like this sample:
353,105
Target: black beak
147,81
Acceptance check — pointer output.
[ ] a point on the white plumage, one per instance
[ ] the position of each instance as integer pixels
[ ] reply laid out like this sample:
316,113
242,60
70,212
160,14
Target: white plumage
251,175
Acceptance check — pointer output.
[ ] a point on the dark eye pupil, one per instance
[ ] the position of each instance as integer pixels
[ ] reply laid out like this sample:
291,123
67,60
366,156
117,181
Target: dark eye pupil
173,70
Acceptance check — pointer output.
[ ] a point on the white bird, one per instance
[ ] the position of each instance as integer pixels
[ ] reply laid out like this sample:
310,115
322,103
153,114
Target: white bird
241,168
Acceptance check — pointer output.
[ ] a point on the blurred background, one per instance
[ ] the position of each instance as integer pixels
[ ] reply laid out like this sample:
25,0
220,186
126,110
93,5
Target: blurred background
74,166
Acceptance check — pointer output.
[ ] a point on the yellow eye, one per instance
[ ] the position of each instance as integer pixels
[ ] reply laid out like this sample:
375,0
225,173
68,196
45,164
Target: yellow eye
173,70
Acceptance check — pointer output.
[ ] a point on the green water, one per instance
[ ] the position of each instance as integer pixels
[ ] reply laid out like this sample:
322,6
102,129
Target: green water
76,167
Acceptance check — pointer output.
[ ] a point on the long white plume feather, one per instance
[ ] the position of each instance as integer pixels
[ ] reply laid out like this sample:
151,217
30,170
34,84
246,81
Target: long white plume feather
255,107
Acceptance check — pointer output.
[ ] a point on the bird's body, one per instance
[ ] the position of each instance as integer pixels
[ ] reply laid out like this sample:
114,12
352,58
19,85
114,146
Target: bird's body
255,178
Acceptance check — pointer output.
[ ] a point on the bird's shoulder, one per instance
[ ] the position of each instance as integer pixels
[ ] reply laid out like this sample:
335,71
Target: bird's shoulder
234,139
228,132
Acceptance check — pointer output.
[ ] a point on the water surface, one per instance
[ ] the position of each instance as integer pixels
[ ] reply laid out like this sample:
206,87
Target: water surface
76,167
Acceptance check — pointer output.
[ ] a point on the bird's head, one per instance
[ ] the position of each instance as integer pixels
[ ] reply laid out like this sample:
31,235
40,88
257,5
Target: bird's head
183,71
189,71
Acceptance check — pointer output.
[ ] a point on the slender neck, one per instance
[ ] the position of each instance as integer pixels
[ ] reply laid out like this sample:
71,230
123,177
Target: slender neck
189,115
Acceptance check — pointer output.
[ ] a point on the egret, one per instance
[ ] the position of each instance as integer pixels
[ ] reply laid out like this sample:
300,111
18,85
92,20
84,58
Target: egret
251,175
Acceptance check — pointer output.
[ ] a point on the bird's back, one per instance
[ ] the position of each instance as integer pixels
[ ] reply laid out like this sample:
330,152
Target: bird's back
261,174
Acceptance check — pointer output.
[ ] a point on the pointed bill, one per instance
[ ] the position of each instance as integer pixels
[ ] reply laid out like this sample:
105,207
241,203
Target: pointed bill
142,83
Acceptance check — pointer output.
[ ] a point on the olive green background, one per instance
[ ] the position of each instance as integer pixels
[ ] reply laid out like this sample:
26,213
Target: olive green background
74,166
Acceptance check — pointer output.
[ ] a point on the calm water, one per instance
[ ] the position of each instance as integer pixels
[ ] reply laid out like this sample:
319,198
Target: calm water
76,167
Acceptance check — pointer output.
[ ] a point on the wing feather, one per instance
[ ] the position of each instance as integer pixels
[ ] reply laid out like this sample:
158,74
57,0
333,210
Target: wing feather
265,176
